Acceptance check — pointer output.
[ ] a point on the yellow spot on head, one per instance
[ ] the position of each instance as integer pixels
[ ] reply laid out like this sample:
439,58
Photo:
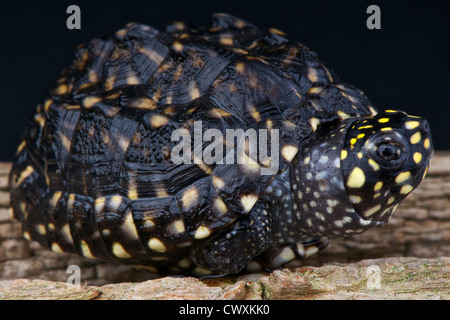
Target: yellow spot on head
383,120
371,211
426,143
391,111
344,154
402,177
415,138
425,172
374,165
378,186
407,188
386,129
202,232
356,178
417,157
156,245
411,124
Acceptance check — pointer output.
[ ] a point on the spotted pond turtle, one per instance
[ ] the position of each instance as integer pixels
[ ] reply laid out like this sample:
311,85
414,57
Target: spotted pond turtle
95,172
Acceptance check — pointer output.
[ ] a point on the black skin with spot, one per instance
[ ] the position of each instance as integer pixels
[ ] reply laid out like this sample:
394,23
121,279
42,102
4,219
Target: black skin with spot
93,174
393,153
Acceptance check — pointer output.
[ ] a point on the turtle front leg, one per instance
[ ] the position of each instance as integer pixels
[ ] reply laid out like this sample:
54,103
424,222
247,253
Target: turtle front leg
233,249
278,255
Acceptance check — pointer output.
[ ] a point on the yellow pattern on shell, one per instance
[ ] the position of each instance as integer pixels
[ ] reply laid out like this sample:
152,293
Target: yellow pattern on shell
119,251
202,232
156,245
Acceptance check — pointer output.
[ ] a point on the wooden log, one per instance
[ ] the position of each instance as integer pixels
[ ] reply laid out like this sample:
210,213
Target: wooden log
391,278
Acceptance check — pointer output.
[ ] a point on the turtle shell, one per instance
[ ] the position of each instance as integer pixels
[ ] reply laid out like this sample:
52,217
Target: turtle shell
94,173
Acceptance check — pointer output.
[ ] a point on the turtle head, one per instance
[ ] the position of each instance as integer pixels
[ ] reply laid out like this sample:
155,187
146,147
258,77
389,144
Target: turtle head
384,158
352,176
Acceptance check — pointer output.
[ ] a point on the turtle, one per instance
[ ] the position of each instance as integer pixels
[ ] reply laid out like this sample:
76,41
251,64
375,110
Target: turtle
209,150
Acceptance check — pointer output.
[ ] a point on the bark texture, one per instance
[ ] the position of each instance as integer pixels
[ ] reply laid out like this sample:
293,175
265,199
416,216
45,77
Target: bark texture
390,278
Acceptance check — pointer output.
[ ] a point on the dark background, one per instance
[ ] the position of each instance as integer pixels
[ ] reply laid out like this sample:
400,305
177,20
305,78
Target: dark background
404,65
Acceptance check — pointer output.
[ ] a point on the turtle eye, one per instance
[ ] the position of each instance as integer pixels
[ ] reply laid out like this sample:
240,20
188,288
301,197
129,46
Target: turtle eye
388,152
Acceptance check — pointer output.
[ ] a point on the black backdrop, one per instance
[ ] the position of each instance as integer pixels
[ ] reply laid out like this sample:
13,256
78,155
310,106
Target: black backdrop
404,65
